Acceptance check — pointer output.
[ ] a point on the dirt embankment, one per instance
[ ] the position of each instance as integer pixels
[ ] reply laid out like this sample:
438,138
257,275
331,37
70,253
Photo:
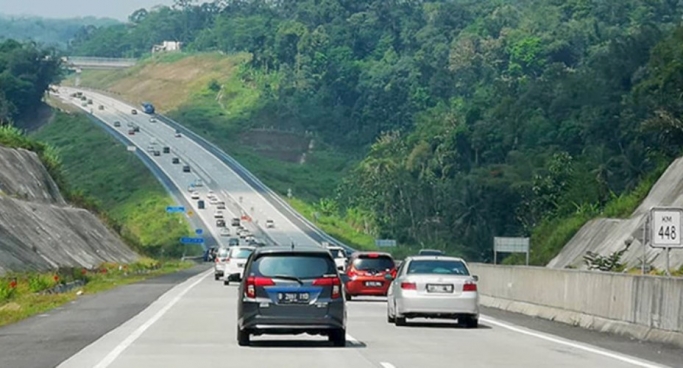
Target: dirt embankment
39,230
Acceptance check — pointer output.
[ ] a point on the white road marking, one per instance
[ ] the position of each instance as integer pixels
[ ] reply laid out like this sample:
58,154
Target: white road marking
386,365
352,339
111,357
573,344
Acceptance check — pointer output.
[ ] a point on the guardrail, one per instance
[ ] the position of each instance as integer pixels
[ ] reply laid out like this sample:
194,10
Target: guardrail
272,197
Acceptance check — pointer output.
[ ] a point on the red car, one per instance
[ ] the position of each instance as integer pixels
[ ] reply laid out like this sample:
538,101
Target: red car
367,274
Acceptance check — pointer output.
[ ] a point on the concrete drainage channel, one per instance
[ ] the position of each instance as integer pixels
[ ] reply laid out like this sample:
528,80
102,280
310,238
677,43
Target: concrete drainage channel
63,288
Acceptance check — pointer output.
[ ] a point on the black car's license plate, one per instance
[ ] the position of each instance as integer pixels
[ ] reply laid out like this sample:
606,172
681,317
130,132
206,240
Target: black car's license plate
373,283
439,288
291,298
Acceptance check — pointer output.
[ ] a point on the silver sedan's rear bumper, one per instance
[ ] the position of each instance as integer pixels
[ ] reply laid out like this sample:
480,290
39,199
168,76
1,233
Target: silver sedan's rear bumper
420,305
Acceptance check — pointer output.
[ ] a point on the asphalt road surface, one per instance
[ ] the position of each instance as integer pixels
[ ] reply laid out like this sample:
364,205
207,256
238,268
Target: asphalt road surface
194,325
48,339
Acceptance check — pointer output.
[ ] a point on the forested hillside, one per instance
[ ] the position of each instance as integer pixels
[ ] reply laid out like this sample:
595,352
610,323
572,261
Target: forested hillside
26,71
51,32
479,117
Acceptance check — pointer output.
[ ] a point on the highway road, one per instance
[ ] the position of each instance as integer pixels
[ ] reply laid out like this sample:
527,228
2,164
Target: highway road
194,324
240,198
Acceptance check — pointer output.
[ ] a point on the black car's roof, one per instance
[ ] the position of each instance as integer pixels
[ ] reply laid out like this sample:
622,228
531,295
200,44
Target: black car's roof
284,249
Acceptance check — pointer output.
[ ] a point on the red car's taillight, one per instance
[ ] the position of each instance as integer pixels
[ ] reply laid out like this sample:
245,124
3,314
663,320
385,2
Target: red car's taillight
408,286
253,282
330,281
469,286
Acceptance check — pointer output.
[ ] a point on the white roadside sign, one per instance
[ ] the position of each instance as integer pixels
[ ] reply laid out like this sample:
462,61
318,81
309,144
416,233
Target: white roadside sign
665,231
131,148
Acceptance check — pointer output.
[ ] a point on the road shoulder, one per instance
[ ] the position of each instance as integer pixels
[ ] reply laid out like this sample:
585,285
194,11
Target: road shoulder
47,340
668,355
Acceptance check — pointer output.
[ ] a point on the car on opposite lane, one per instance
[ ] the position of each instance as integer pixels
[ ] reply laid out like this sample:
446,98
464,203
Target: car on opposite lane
234,267
291,290
366,273
433,287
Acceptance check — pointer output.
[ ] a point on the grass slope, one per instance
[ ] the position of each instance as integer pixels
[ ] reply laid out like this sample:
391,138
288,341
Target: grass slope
100,166
218,98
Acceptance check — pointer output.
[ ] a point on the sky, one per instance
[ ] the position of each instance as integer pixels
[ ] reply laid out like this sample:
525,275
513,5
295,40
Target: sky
117,9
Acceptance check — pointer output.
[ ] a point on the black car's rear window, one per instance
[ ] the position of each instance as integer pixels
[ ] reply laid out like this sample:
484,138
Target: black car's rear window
241,253
301,266
438,267
368,263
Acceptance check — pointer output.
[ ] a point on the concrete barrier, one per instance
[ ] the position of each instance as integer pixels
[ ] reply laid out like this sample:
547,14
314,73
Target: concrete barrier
643,307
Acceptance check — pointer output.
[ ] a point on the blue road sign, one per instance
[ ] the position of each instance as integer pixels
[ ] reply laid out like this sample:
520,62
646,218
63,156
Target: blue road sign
187,240
175,209
199,231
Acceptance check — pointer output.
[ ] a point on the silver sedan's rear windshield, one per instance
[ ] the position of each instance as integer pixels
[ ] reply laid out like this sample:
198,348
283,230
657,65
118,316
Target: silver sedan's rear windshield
437,267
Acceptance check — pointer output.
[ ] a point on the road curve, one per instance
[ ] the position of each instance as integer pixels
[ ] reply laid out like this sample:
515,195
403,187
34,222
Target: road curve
194,324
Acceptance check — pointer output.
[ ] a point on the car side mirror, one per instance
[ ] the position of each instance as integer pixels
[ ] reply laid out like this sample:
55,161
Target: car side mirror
388,277
344,278
475,277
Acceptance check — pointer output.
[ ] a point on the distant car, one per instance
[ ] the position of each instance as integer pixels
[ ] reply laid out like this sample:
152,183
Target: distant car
157,153
134,112
175,160
430,252
218,266
220,223
433,287
234,266
218,214
339,256
167,149
366,272
101,107
177,134
235,222
270,224
117,123
233,242
130,124
131,131
220,205
225,231
195,195
282,292
152,120
186,168
136,128
89,102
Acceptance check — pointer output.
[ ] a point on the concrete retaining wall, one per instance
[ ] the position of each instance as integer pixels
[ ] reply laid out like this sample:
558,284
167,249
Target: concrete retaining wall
39,231
644,307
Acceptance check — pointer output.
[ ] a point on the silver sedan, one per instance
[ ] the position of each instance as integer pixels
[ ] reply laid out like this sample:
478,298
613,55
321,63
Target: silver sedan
433,287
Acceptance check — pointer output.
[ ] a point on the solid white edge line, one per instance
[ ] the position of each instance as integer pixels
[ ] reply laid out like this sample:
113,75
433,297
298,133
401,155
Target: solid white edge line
386,365
121,347
351,339
573,344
